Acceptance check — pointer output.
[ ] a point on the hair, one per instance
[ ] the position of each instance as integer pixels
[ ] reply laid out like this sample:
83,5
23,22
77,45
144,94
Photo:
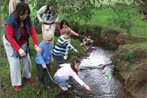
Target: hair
48,35
22,0
51,4
21,9
73,62
63,22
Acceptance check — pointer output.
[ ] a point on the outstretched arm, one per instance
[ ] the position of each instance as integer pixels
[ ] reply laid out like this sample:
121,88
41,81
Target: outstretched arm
71,47
73,32
57,25
34,38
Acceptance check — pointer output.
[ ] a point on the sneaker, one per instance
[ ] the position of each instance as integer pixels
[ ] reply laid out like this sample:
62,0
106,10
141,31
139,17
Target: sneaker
50,89
65,57
69,86
30,79
18,88
64,88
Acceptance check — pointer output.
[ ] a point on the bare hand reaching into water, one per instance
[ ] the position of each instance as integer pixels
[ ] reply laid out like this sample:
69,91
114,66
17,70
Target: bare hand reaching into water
87,87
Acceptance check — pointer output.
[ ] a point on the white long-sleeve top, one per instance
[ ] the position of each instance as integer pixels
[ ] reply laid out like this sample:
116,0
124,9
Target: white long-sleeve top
66,70
46,17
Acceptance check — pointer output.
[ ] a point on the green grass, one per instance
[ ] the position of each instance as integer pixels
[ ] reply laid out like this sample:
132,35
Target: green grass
133,67
141,45
140,28
134,55
103,16
31,90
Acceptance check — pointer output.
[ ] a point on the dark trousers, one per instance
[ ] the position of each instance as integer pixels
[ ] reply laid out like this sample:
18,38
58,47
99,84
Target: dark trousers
59,59
43,75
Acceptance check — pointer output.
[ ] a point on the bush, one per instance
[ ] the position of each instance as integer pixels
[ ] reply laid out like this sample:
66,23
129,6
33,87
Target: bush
127,55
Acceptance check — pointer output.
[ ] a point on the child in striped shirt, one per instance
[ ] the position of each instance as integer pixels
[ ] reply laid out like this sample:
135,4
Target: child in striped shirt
61,46
63,25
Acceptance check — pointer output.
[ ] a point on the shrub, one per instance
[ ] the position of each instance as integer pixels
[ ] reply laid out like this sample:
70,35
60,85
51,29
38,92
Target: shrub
126,55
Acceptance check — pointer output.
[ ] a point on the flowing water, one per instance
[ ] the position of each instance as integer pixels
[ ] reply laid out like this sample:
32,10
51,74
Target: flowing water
99,77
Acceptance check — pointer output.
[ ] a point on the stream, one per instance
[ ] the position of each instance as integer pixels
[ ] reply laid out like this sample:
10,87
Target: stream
97,71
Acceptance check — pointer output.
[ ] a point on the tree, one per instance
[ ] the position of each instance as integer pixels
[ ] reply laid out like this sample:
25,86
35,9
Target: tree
72,10
75,9
80,10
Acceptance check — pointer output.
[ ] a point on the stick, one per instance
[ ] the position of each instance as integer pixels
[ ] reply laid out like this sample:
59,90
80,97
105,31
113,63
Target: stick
128,78
51,76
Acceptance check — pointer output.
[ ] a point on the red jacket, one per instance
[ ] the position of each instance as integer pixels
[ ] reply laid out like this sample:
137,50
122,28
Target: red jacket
17,44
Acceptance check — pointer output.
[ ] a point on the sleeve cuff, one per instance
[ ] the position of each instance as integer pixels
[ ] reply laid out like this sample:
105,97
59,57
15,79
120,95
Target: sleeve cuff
35,46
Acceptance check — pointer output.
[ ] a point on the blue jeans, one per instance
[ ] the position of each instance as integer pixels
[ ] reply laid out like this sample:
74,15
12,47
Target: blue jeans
61,80
60,59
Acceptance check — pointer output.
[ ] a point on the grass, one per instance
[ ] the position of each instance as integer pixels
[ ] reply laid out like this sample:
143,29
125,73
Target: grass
134,55
102,18
141,45
31,90
139,29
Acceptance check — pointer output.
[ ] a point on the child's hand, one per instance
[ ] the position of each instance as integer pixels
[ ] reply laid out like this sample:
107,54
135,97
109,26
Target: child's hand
87,87
41,21
52,59
75,50
44,66
38,49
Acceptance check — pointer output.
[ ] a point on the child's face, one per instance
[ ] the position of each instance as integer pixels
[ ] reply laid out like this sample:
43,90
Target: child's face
48,41
77,66
65,25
